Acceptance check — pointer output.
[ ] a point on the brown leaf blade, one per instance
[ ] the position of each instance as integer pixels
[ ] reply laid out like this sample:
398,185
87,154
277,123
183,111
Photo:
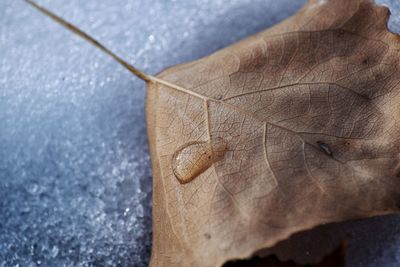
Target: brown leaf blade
295,127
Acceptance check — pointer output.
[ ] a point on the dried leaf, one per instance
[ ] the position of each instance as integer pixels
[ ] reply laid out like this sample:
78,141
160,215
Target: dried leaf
294,127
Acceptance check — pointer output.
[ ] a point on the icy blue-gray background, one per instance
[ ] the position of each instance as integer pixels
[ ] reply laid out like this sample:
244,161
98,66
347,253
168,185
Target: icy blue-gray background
75,177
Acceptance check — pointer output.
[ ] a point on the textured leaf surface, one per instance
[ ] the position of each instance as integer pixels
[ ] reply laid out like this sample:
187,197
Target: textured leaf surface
286,130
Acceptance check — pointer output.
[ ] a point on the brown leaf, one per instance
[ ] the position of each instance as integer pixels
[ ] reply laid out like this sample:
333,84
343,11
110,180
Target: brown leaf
294,127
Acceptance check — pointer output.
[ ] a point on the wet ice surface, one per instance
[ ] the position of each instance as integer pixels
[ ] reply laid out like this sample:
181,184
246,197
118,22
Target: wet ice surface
75,177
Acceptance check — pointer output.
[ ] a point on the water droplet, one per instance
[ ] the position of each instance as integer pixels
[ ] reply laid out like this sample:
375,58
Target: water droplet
191,160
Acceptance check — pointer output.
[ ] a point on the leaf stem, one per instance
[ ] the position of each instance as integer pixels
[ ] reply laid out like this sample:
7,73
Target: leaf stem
91,40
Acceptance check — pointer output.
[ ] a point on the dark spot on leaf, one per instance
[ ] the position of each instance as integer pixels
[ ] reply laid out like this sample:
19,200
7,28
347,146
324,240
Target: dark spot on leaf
325,147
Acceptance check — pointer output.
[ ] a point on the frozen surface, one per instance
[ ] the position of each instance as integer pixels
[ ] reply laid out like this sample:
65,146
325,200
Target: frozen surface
75,176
